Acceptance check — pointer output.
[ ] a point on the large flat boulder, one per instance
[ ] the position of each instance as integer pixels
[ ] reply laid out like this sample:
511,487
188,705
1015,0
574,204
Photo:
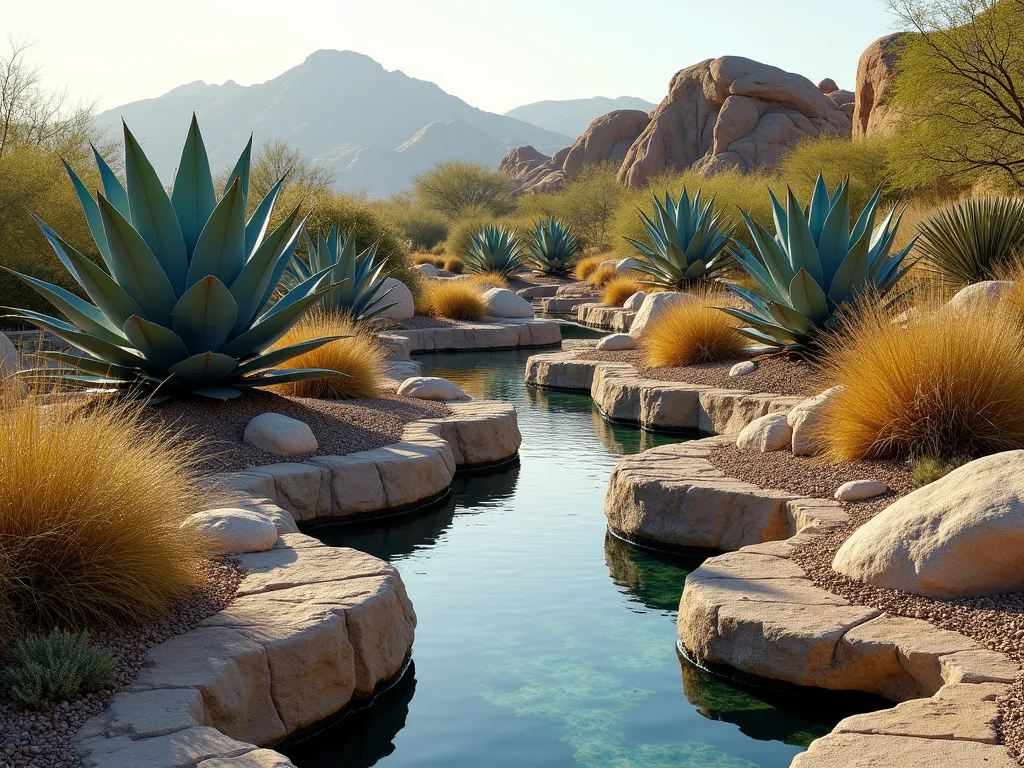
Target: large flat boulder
960,536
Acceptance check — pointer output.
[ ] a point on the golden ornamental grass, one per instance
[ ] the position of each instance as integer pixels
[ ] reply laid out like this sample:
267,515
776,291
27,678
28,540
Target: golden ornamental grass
461,299
692,332
945,385
620,288
455,265
489,279
587,266
359,355
601,276
91,501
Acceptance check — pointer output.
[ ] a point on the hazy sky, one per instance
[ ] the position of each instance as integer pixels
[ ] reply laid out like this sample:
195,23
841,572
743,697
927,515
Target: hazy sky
494,55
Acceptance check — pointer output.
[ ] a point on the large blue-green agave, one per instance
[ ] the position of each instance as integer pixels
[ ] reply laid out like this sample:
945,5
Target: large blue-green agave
185,302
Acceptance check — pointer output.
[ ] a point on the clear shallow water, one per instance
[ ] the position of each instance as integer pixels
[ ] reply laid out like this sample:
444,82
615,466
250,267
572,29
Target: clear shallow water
542,640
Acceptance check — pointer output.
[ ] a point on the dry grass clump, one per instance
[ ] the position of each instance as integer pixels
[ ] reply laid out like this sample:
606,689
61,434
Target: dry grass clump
91,502
947,385
620,288
455,265
487,280
692,332
457,299
428,258
587,266
358,356
601,276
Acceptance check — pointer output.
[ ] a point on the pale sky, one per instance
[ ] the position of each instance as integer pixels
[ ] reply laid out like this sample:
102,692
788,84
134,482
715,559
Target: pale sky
494,55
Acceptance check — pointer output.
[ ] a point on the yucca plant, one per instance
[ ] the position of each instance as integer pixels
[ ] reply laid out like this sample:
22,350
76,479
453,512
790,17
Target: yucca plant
184,303
814,265
689,242
495,249
972,240
356,277
552,248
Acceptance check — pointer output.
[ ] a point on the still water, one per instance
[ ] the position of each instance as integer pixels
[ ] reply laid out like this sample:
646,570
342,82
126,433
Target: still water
542,640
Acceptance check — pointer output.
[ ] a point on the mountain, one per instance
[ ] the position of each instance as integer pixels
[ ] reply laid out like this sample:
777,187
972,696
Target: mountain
374,127
572,116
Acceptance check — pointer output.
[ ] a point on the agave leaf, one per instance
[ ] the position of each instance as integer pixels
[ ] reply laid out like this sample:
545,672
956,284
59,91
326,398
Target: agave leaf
834,243
193,197
241,172
269,329
257,225
289,376
315,284
92,217
205,367
803,251
275,357
86,342
217,393
866,220
820,206
257,277
852,272
283,259
205,315
807,297
789,318
135,268
89,364
220,250
157,343
766,338
152,214
112,188
83,314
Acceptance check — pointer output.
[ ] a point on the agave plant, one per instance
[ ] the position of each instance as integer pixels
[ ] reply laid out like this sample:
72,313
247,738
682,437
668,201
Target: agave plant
495,249
689,242
358,281
553,248
184,303
972,240
814,265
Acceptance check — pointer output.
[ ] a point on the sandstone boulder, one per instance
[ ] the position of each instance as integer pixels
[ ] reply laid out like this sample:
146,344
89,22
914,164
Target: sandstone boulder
501,302
984,292
427,269
616,342
654,304
280,435
627,265
828,85
806,420
768,433
432,388
872,113
730,113
634,302
231,531
398,293
962,535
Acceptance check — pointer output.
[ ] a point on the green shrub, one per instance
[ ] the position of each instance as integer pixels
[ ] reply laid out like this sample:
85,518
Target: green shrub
424,228
460,234
56,667
587,205
454,187
928,469
864,161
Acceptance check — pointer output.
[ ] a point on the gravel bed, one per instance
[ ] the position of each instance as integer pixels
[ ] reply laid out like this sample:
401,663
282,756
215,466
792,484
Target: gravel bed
775,373
427,321
996,622
44,739
340,426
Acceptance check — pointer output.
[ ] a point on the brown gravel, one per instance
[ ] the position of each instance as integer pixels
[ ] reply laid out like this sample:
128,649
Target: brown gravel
775,373
996,622
44,739
340,426
428,321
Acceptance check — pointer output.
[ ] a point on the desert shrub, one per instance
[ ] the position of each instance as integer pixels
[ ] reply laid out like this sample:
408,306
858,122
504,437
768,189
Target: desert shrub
455,265
865,162
601,276
454,187
928,469
587,204
423,228
91,501
620,288
691,332
586,266
461,232
359,356
56,667
352,215
971,240
947,385
456,299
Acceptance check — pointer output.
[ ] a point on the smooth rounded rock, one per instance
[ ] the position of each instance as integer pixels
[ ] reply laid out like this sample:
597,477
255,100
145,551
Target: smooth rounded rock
432,388
628,264
858,490
501,302
806,419
232,531
280,435
961,536
984,292
743,369
8,357
654,304
427,269
634,302
616,342
768,433
397,293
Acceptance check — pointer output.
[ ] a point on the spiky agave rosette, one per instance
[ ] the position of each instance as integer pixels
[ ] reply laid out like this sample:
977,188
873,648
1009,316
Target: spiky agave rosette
495,249
186,300
552,247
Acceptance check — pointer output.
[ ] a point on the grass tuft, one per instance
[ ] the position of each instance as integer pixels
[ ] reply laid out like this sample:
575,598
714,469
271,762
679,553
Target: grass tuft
92,497
455,265
947,385
692,332
620,288
587,266
457,299
487,280
601,276
359,356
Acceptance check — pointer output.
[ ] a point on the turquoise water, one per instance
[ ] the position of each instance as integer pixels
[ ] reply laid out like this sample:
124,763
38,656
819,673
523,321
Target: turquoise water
542,640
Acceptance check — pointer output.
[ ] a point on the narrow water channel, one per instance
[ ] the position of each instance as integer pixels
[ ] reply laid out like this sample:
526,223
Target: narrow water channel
542,640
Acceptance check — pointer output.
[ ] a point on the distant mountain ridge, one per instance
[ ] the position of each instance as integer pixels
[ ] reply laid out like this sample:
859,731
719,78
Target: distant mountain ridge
374,127
572,116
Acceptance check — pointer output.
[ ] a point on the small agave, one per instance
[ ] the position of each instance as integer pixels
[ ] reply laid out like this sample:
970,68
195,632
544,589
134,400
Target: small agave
688,241
495,249
553,247
358,281
184,303
814,265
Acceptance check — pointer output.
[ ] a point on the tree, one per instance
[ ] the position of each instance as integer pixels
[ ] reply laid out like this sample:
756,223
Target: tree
960,89
590,201
455,186
274,158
